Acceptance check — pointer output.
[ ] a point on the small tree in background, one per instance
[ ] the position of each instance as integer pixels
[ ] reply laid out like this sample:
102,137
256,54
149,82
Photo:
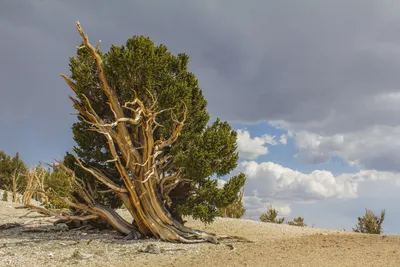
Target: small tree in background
234,210
299,221
10,169
370,223
15,181
271,216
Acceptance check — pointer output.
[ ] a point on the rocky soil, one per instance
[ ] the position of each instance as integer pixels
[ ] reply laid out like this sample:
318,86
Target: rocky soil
34,241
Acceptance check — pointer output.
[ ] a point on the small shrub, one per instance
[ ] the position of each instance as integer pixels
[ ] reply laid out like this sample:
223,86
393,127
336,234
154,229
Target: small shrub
57,184
299,221
234,210
370,223
271,216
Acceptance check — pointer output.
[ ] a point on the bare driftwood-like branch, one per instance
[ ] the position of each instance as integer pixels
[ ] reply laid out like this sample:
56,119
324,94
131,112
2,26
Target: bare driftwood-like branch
35,186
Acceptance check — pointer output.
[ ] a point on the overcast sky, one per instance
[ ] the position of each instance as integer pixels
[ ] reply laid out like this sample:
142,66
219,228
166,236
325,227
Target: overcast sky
312,87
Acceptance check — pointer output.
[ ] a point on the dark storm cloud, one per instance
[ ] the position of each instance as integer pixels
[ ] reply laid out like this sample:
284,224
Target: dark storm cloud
256,60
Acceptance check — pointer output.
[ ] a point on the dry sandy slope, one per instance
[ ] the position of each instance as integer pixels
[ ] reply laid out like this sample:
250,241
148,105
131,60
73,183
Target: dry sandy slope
274,245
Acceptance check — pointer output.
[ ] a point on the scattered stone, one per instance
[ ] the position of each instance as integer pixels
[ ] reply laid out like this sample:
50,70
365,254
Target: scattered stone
80,256
230,246
61,227
151,248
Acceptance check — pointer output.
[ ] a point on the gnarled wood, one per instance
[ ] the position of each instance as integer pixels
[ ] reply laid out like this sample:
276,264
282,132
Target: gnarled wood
35,186
144,186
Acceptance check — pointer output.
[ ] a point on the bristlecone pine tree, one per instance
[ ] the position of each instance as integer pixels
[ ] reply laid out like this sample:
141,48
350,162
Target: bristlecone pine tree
271,216
370,223
133,104
162,83
299,221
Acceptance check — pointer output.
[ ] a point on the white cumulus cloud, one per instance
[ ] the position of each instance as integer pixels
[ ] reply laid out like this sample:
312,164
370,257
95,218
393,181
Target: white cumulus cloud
376,147
221,183
273,181
251,148
255,206
269,183
283,139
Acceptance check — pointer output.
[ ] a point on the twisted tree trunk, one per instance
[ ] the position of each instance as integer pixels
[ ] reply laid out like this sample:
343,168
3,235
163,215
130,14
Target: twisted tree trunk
139,160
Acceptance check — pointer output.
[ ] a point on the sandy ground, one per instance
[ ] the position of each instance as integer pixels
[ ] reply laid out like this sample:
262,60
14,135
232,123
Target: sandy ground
39,243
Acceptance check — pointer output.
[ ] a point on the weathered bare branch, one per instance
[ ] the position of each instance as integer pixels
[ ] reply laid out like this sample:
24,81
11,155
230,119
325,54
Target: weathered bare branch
160,144
101,177
69,82
125,142
163,160
98,45
62,216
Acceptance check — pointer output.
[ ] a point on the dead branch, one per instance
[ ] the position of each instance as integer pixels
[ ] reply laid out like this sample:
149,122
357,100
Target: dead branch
35,186
14,186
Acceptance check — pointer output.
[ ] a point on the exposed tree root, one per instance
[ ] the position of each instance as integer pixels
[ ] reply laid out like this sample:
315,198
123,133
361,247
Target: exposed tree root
234,239
188,235
62,216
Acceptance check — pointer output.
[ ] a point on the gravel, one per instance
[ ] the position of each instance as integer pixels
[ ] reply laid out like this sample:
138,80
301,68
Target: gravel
37,242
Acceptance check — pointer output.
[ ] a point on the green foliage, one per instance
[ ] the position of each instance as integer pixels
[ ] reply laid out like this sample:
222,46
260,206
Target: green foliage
370,223
8,166
235,209
299,221
271,216
207,198
200,152
57,184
